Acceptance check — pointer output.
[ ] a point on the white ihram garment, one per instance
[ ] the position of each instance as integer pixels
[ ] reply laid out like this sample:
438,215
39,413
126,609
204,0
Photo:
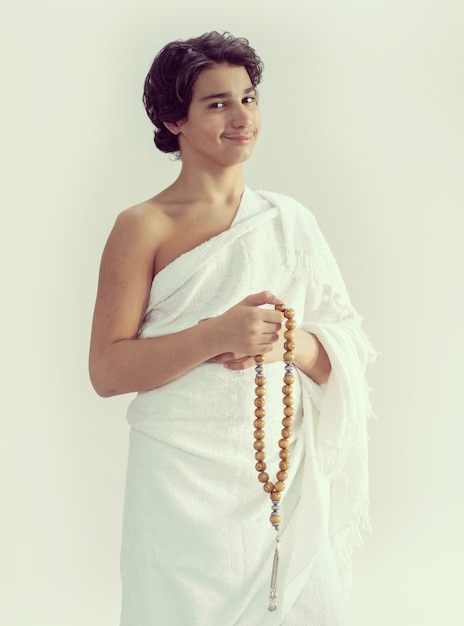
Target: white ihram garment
197,543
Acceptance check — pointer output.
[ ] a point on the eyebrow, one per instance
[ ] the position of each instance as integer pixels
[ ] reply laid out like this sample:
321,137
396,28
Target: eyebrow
227,94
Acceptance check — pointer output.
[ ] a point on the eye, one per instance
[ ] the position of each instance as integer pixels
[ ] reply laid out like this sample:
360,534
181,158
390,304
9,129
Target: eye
217,105
249,100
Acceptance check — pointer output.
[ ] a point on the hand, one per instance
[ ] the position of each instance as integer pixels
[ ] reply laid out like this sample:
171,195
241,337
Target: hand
246,330
234,362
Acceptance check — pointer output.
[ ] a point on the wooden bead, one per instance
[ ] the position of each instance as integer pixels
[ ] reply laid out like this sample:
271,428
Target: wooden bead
274,490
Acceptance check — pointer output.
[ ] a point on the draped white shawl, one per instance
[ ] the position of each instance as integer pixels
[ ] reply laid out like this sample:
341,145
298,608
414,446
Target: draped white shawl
197,544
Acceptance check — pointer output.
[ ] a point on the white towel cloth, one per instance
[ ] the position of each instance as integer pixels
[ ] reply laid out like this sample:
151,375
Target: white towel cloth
197,543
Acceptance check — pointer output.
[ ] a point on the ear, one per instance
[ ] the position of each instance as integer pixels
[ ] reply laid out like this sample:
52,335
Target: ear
173,127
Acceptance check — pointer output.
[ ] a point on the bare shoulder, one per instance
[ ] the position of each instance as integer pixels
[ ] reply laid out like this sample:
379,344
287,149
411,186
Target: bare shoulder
138,232
146,220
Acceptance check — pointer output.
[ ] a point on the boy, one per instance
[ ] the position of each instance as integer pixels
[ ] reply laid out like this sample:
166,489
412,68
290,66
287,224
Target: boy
188,287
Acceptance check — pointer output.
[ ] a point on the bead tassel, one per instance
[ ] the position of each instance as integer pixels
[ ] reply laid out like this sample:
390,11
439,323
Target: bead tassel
275,565
274,489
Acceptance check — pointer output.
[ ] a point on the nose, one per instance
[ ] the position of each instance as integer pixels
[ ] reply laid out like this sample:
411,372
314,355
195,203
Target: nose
241,117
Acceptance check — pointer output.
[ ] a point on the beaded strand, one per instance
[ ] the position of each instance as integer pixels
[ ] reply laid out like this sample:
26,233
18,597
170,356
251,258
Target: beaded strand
274,489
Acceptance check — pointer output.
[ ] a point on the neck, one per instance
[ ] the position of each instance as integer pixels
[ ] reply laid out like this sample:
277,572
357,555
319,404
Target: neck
221,187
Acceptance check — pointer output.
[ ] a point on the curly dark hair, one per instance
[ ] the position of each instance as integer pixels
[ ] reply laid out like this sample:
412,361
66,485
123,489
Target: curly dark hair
169,84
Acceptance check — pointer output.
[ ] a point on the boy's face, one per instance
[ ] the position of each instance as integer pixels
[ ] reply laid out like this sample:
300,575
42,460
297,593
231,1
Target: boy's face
223,121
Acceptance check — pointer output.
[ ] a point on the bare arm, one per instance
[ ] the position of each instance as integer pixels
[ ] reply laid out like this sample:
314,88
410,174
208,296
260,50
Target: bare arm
311,357
119,362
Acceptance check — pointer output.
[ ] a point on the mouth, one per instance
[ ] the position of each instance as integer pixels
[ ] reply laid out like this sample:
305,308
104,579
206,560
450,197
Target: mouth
239,139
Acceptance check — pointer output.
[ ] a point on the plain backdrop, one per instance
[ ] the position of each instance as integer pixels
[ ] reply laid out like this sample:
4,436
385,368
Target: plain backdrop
363,106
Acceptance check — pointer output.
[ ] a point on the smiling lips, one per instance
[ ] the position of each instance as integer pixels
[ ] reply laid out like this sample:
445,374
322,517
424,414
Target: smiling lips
240,139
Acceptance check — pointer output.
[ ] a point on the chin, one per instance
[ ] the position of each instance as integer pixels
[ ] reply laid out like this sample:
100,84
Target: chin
237,161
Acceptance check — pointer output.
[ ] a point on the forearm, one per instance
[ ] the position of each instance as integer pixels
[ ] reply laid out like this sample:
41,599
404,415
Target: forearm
141,364
310,357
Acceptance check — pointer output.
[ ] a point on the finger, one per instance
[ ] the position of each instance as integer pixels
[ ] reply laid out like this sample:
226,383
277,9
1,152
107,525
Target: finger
271,316
272,328
265,347
271,338
263,297
243,364
222,358
239,360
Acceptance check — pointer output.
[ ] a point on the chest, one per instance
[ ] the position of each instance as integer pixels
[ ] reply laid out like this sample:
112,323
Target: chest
185,234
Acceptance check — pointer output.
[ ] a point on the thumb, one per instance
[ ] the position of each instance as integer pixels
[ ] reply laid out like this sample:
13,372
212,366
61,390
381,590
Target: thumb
263,297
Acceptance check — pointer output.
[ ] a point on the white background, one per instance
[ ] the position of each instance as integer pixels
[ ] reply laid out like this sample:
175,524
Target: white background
363,106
